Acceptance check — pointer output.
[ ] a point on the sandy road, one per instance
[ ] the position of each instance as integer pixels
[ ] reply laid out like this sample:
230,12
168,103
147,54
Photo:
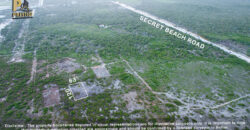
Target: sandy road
172,25
145,83
33,70
18,50
137,75
226,103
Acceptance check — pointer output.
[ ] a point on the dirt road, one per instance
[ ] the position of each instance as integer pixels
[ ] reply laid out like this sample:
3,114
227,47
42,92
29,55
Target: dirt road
33,70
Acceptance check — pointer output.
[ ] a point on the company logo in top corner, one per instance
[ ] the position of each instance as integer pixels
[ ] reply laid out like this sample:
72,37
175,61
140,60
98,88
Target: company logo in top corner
21,10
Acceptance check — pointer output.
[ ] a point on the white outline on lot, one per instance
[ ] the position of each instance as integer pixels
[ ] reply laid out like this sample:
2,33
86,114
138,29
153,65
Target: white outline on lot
81,86
172,25
84,89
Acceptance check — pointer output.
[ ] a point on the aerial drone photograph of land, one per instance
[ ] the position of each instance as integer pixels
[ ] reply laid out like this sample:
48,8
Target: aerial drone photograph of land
183,63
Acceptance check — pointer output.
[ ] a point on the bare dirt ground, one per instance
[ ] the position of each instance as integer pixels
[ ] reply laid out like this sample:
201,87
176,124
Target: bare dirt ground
82,89
33,70
117,84
79,91
51,96
132,101
67,65
101,71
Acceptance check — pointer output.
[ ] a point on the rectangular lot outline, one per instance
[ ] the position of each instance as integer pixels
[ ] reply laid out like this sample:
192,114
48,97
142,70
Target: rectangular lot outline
78,84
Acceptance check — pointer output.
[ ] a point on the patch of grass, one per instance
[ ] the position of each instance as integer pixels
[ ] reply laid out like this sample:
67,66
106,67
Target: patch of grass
127,78
177,102
78,71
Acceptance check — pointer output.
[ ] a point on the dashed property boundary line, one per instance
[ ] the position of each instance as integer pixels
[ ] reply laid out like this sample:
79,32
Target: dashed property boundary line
79,83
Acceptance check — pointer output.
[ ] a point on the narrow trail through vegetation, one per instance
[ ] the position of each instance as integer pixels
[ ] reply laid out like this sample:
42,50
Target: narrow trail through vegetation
33,70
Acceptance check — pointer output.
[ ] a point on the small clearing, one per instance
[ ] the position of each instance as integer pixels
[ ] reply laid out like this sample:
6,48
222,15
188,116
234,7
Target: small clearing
78,90
101,71
67,65
51,96
132,102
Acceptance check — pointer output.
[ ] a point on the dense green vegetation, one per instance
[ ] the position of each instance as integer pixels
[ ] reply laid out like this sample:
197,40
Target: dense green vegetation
64,30
224,21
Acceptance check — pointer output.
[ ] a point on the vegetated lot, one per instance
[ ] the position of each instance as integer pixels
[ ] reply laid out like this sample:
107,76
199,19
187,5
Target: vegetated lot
79,91
186,81
132,102
230,30
51,96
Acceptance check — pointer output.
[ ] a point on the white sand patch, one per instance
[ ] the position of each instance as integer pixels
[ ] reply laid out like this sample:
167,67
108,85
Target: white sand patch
93,88
78,91
33,70
132,103
117,84
3,99
65,65
101,71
